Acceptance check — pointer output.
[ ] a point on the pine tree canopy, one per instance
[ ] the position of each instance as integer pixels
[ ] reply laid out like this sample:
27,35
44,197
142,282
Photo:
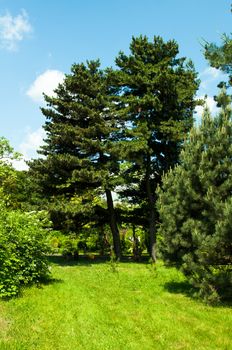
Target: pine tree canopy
195,206
80,131
220,56
156,91
80,151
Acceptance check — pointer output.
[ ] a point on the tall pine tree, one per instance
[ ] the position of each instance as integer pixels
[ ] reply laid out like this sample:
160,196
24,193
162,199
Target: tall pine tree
156,91
80,152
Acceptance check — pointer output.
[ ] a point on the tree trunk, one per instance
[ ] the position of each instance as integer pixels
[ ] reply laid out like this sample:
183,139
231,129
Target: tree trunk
151,220
152,233
113,224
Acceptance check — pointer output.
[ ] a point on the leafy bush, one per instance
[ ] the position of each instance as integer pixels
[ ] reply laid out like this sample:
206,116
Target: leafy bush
56,240
70,248
23,250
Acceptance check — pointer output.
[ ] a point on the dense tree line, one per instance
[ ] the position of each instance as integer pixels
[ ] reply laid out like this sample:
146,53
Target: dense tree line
107,128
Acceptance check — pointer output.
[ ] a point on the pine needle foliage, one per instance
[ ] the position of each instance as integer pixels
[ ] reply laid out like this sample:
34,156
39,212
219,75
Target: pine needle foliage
156,90
195,206
80,153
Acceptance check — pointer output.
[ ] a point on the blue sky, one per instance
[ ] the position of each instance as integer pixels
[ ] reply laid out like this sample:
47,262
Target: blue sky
40,40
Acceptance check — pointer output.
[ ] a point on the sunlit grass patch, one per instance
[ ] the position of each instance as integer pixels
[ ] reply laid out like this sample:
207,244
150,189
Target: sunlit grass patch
90,306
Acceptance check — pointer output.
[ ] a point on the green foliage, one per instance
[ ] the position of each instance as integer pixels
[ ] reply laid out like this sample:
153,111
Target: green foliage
80,132
100,119
7,153
133,241
69,248
9,177
55,240
77,212
87,240
113,263
17,189
79,150
23,250
155,90
220,56
195,207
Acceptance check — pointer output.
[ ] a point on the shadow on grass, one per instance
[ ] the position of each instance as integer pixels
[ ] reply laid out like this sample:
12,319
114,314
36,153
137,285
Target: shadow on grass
182,287
48,281
81,261
188,290
89,260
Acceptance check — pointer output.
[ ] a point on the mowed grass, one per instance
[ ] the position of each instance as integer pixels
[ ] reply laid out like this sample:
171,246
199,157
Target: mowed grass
90,306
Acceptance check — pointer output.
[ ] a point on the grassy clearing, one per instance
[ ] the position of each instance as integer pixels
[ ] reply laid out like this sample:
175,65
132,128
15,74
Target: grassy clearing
90,307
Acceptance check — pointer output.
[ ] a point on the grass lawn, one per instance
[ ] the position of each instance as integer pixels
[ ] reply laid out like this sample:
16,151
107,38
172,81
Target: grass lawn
91,307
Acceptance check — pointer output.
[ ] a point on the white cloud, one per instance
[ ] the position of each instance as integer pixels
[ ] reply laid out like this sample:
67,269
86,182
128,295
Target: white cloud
13,30
211,72
210,76
20,164
45,83
32,142
209,101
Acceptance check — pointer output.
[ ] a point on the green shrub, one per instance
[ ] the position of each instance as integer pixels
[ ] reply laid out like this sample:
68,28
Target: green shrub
23,250
55,240
70,249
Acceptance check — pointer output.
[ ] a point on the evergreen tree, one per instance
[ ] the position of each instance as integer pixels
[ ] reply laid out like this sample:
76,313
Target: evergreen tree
80,152
221,56
195,206
155,92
